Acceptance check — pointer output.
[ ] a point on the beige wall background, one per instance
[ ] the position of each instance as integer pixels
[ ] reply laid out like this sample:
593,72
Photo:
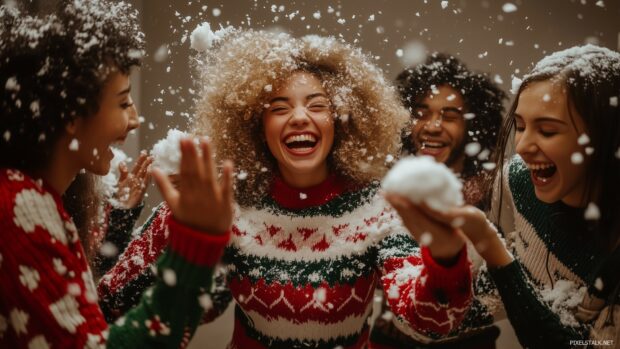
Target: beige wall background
479,32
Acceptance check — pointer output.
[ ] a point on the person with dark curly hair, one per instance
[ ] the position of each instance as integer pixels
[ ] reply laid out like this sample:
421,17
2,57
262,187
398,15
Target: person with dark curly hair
456,115
65,100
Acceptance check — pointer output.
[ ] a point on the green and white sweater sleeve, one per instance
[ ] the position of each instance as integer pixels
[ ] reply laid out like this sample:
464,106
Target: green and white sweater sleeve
170,310
535,324
534,321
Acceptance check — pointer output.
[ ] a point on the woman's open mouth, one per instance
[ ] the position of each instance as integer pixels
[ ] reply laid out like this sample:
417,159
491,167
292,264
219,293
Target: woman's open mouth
542,173
301,144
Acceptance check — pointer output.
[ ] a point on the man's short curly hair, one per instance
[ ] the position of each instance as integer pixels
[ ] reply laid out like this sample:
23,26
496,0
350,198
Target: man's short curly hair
53,70
481,96
237,76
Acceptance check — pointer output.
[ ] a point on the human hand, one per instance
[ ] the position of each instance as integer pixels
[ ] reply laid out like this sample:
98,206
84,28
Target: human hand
443,241
201,201
479,230
132,185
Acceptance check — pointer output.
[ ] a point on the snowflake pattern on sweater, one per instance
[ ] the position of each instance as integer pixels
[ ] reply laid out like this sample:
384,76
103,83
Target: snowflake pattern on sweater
305,277
48,297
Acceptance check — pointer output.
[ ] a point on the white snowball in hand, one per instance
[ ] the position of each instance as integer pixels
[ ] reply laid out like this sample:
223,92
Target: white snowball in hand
422,179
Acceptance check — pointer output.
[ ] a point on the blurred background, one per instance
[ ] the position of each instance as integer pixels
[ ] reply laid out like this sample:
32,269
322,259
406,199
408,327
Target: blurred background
501,38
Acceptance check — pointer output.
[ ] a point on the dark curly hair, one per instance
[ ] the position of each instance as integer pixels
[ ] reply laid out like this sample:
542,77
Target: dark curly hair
52,71
482,98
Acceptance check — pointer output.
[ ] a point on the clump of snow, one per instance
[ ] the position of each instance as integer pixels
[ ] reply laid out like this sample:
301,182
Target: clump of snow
414,53
590,61
509,7
564,298
170,277
613,101
110,181
473,148
444,4
205,302
203,38
516,84
422,179
167,152
74,145
592,212
576,158
583,139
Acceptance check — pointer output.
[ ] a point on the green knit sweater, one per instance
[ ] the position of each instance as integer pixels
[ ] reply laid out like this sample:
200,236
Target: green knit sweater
555,257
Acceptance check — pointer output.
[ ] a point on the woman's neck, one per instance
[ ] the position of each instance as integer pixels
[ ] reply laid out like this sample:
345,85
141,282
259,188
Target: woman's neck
304,180
60,169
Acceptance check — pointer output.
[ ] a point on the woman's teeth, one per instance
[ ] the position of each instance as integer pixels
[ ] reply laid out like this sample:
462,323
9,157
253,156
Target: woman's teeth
543,172
432,145
300,138
300,142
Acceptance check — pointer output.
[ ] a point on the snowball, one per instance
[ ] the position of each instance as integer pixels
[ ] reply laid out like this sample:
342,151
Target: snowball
583,139
317,15
509,7
426,239
110,181
516,84
303,196
589,150
74,145
598,284
108,249
161,54
205,301
167,152
170,277
471,149
592,212
399,52
11,84
600,3
422,179
576,158
202,38
7,135
444,4
489,166
242,175
216,12
414,53
613,101
469,116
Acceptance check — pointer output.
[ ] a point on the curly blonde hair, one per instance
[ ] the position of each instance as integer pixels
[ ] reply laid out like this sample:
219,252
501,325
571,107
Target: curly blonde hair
236,78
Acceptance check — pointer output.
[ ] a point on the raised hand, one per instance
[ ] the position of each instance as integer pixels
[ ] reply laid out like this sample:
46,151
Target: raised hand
132,185
201,201
479,230
444,241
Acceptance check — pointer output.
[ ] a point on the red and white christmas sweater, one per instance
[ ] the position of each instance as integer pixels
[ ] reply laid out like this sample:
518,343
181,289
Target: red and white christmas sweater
47,295
302,269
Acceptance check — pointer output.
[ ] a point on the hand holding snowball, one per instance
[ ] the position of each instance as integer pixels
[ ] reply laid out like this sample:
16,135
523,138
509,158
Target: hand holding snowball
201,201
132,185
415,187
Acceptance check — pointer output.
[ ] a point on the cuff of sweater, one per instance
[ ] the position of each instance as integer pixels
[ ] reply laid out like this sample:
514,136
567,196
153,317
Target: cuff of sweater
446,277
194,246
509,277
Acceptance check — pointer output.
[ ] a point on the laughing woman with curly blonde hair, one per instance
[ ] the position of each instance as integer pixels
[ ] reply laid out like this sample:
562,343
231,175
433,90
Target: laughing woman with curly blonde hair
312,126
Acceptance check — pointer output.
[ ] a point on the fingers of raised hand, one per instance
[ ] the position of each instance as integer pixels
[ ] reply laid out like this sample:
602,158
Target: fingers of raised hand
167,190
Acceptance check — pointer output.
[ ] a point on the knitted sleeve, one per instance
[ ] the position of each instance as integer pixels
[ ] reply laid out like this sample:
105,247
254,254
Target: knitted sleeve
120,223
48,294
428,298
534,323
122,287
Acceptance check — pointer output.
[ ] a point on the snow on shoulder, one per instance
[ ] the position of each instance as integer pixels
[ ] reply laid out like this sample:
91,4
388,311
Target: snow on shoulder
203,38
422,179
167,152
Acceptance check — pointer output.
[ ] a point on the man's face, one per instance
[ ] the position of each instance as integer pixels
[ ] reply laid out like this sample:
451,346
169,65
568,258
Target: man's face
439,127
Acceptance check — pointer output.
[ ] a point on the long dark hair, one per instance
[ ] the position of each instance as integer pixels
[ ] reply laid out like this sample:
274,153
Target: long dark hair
52,71
481,96
591,76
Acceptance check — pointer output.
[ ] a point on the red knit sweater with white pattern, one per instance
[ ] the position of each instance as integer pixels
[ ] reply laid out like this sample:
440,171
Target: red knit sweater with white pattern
47,295
302,268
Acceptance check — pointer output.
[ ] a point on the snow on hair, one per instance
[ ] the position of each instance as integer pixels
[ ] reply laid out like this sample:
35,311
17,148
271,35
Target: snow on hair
237,75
